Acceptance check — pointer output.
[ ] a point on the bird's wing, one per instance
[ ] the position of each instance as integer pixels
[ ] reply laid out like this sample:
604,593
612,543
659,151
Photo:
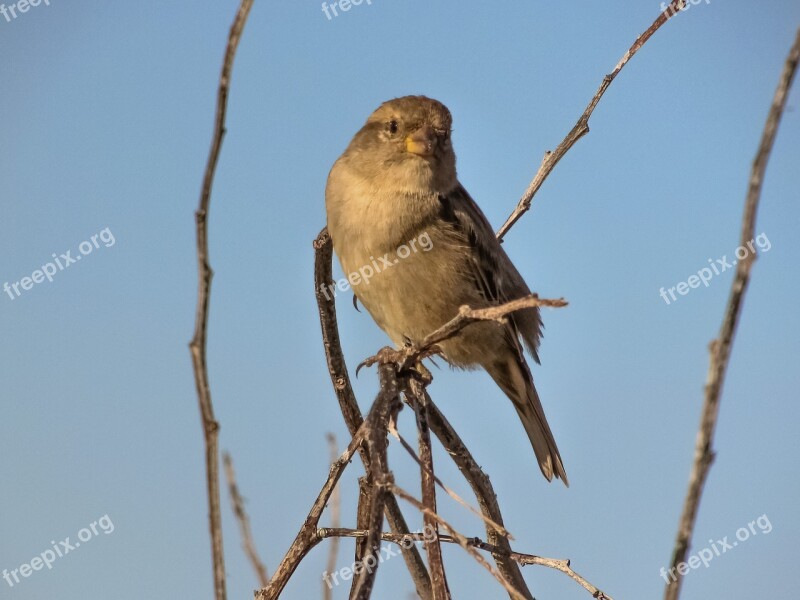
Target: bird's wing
495,275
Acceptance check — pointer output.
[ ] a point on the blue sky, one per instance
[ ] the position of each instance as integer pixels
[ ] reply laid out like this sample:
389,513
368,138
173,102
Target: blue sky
107,118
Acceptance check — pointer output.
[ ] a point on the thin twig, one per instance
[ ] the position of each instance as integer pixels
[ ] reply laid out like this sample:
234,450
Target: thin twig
483,490
467,315
558,564
407,447
307,537
337,368
384,410
386,402
462,541
433,548
198,344
336,519
362,522
410,355
397,538
720,348
581,128
237,503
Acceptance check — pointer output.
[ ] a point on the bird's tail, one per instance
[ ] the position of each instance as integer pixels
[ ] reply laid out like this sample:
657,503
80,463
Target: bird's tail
514,378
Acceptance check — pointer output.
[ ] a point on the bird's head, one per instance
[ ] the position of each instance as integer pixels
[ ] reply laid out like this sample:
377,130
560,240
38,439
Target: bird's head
406,142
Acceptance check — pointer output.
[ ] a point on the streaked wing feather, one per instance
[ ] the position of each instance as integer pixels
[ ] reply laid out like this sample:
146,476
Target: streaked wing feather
495,275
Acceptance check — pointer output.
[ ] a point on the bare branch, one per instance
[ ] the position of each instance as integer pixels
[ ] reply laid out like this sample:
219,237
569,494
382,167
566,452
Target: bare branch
197,346
483,490
362,522
562,565
460,540
558,564
372,431
409,356
384,410
307,537
237,503
581,128
441,590
720,348
467,315
407,447
336,520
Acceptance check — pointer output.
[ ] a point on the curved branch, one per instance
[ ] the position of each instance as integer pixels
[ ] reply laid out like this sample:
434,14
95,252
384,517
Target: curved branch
720,348
347,401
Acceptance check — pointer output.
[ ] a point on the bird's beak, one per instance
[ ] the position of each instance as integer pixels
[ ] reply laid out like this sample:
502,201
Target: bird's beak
422,142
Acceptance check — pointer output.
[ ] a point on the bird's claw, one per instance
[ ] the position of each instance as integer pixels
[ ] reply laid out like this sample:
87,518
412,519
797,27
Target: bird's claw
384,357
406,359
422,373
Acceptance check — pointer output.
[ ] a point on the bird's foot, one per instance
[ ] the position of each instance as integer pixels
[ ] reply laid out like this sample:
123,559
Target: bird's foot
406,359
384,356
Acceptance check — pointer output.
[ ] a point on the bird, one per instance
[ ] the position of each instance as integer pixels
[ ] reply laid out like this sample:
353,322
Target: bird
396,183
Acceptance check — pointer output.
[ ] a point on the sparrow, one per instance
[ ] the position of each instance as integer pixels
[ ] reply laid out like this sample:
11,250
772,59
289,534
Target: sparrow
397,182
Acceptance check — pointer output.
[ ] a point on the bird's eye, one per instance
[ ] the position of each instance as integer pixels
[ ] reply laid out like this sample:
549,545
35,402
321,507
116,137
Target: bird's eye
392,126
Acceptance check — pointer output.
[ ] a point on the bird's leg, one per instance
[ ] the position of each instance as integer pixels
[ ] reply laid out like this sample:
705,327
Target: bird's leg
413,357
421,373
